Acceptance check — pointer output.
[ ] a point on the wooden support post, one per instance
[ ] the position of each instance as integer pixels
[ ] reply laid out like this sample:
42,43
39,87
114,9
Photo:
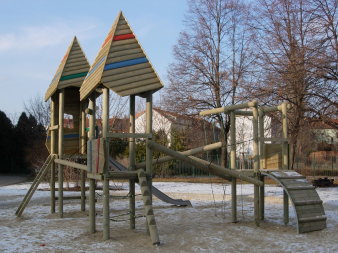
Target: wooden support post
256,162
60,148
285,136
286,207
132,160
261,161
83,141
105,128
149,130
149,153
285,159
52,152
261,199
92,214
261,138
233,165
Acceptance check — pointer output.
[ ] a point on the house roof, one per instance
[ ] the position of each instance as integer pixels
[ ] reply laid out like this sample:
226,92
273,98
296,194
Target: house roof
71,71
121,64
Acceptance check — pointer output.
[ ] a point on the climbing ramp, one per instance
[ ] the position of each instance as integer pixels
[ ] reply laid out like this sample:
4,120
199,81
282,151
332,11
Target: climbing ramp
305,199
149,213
155,191
49,161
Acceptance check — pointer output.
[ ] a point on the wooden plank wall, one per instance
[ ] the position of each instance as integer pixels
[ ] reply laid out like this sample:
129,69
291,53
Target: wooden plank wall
71,71
122,64
273,156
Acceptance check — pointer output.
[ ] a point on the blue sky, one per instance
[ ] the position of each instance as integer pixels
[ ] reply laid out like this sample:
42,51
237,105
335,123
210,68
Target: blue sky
34,36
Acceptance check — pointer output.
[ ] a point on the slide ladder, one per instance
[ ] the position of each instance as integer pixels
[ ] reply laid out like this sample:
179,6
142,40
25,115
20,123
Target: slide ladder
305,199
148,208
156,192
35,184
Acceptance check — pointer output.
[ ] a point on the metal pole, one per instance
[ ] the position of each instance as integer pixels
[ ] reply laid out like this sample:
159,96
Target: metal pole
83,151
60,148
105,128
52,151
233,165
256,162
92,225
132,160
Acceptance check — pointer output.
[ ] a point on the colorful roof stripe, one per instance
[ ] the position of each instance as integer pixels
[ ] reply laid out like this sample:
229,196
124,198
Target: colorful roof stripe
71,71
121,64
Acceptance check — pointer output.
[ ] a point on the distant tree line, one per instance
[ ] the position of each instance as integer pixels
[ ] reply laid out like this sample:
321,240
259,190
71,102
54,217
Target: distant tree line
22,146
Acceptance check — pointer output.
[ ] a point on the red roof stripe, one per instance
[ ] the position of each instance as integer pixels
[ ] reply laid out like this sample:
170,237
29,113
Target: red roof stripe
107,39
124,36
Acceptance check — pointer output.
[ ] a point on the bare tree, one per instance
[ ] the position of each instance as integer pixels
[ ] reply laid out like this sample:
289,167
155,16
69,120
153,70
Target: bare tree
212,60
118,108
326,17
39,109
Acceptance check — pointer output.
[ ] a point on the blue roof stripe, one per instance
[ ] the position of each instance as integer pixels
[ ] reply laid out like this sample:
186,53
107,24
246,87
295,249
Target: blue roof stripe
121,64
67,136
96,66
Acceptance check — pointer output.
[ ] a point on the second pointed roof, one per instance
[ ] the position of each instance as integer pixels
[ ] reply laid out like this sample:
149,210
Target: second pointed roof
71,71
121,64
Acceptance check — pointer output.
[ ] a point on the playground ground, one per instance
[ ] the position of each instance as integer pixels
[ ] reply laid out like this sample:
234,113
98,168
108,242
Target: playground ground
205,227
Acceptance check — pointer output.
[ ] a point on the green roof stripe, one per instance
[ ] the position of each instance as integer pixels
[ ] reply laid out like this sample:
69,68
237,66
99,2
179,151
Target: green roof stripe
72,76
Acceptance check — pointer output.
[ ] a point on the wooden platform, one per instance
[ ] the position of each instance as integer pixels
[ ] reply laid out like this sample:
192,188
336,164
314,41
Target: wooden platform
305,199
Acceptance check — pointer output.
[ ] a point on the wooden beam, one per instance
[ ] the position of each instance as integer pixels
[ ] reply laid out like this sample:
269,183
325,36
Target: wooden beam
189,152
122,175
71,164
229,108
53,127
130,135
204,165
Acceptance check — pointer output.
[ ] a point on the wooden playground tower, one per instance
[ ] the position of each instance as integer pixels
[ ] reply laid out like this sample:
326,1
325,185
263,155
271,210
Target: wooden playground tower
122,66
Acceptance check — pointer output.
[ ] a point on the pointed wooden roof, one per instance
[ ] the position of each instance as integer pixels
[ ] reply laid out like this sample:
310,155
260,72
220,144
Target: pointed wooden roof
71,71
121,64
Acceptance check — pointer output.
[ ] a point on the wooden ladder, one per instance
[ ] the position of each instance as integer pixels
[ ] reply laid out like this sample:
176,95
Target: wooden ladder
149,213
35,184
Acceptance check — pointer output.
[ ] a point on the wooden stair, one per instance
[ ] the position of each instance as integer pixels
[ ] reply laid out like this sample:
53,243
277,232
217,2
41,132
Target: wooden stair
44,169
305,199
148,208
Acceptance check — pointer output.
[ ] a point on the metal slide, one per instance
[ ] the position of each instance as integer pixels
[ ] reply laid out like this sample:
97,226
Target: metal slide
156,192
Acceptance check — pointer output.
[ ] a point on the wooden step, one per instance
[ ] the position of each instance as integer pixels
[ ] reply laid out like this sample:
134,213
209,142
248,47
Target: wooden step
291,177
302,187
308,202
312,219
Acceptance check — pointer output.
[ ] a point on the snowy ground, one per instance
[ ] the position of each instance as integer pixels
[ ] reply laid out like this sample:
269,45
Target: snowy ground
205,227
